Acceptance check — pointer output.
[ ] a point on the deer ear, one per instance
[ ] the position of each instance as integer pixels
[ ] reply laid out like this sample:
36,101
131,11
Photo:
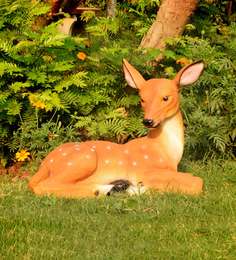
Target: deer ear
132,76
189,74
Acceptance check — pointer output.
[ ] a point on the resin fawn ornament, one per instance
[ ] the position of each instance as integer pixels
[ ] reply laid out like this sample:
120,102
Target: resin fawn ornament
96,168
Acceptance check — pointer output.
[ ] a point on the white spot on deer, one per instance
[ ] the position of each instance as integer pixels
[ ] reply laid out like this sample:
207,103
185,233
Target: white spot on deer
69,163
134,163
94,146
120,162
146,157
64,154
107,161
144,146
161,160
87,156
108,147
51,161
60,149
92,149
126,151
77,146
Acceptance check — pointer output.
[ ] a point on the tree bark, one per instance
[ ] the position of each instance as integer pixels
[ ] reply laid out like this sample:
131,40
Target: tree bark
229,7
111,8
171,19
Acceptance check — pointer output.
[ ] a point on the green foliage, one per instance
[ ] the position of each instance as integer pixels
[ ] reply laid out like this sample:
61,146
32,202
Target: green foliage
56,88
210,106
43,78
40,139
35,67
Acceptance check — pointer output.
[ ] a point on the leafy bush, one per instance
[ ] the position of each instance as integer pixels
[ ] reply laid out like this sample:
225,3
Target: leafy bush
55,88
46,75
210,106
35,68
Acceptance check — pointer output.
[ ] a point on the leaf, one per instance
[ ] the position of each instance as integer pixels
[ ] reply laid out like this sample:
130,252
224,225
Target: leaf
37,76
219,141
17,86
170,54
10,68
83,121
60,66
77,79
13,107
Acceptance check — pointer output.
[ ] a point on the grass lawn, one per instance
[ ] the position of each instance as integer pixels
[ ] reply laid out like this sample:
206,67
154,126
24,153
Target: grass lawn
154,226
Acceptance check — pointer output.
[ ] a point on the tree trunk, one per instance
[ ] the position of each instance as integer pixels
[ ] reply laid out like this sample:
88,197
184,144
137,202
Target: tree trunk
111,8
229,7
171,19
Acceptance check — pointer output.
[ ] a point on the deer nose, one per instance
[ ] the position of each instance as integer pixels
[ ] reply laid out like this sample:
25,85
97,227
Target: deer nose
148,122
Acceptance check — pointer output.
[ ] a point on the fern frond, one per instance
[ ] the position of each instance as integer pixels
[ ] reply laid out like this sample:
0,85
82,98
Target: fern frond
3,97
10,68
13,107
60,66
83,121
219,141
116,126
77,79
19,86
69,98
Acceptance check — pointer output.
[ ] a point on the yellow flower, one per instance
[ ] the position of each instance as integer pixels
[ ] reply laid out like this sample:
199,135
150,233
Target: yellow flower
36,103
81,55
183,61
22,155
39,104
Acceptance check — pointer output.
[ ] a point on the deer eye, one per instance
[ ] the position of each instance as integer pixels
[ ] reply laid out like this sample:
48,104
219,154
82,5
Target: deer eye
142,100
165,98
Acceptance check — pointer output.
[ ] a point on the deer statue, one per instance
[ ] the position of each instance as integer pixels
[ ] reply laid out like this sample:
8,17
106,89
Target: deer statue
94,168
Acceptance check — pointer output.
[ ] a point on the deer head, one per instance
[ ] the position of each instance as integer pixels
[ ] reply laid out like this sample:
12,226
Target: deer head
160,97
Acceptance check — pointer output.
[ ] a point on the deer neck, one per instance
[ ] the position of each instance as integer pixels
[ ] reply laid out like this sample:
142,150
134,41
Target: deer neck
170,135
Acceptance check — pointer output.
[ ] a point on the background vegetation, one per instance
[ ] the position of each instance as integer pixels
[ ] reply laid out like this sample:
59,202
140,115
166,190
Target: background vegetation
56,88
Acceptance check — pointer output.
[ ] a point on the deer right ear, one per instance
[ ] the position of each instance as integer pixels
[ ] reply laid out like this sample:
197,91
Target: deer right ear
189,74
132,76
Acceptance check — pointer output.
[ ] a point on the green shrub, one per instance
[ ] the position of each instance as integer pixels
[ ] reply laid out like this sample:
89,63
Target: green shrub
210,106
37,68
55,88
46,75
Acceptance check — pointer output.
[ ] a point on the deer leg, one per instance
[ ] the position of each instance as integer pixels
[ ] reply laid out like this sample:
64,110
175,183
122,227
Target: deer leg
42,174
49,187
87,188
66,175
167,180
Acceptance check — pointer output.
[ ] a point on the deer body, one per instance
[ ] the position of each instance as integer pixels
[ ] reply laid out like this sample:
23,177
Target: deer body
94,167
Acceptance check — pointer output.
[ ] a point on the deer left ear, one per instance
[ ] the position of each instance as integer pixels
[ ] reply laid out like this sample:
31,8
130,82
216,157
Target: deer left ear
132,76
189,74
